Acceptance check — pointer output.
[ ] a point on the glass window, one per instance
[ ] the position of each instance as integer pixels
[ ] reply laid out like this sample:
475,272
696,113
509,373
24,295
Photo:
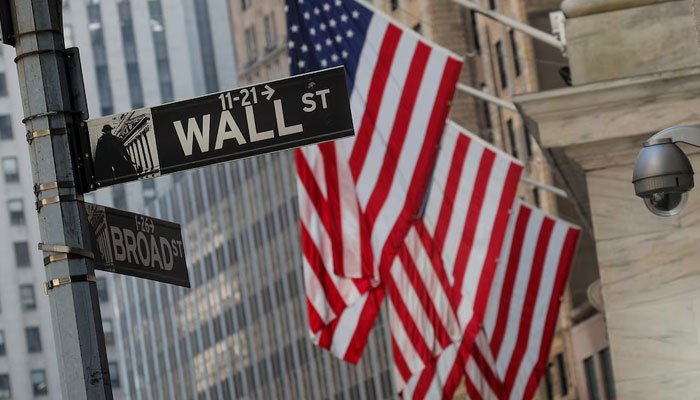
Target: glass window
9,168
68,32
22,254
591,378
99,51
39,382
394,4
513,142
251,45
245,4
108,330
501,64
487,109
492,4
135,90
119,197
26,297
16,209
387,388
104,89
528,140
516,56
475,31
2,345
102,290
33,339
114,374
536,196
155,9
563,380
206,45
148,188
548,382
3,84
270,32
5,127
606,363
5,391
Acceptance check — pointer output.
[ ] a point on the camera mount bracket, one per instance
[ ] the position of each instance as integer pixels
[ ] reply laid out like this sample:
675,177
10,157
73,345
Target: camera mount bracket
688,134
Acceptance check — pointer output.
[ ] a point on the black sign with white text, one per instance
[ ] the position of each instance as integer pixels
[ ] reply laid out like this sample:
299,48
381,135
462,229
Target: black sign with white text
263,118
137,245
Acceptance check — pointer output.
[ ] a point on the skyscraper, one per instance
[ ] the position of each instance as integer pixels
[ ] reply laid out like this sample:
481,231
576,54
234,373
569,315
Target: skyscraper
134,54
241,331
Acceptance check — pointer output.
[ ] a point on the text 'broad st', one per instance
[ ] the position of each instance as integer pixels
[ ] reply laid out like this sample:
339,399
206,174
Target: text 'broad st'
137,245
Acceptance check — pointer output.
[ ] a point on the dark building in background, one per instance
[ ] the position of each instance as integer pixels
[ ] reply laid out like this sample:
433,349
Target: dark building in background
241,331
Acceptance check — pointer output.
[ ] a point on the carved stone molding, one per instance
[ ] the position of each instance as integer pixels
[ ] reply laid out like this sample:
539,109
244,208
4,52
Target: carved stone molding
579,8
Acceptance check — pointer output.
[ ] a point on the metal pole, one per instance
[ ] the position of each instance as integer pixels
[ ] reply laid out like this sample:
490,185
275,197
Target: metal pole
515,24
485,96
557,191
75,309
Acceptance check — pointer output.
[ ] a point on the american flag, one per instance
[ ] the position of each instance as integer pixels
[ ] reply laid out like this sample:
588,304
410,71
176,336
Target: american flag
358,197
523,306
366,233
509,355
464,223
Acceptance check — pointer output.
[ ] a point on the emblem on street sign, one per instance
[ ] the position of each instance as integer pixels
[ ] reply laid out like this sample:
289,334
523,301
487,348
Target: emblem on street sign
253,120
137,245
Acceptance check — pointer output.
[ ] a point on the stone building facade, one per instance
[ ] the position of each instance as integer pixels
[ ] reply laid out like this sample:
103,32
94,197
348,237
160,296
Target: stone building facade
259,33
635,71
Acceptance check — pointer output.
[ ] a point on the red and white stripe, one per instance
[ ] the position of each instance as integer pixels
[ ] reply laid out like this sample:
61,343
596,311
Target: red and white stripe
421,307
523,306
399,104
358,196
509,355
460,235
473,188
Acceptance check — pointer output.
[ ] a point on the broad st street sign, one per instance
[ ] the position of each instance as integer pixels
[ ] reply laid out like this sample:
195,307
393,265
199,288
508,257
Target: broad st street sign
263,118
137,245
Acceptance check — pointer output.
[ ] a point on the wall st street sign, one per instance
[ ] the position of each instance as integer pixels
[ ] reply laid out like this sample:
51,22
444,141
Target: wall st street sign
137,245
253,120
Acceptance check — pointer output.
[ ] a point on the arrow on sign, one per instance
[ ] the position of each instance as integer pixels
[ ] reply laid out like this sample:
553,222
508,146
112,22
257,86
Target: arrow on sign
268,92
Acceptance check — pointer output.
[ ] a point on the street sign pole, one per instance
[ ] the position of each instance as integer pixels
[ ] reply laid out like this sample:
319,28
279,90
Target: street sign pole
50,122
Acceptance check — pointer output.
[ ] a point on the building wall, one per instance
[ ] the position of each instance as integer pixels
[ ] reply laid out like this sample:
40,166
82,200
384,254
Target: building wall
648,264
592,356
172,59
259,32
241,331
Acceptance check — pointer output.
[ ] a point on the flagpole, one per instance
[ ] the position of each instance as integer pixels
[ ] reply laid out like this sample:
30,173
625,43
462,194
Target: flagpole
553,189
486,96
535,33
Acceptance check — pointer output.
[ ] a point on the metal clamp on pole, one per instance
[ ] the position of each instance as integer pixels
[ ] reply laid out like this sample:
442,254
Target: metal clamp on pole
67,280
44,132
38,188
64,253
35,52
58,199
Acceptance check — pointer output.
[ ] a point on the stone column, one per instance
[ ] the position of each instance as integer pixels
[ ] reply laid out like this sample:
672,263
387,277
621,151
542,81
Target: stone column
636,71
612,39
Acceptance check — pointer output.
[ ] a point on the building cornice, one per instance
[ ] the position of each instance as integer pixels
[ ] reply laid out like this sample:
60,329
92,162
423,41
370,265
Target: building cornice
615,109
580,8
267,57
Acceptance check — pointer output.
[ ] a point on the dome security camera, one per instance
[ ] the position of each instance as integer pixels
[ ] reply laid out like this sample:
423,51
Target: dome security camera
663,175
